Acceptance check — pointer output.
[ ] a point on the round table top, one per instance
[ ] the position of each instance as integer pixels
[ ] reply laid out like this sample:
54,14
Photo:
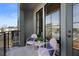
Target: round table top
39,43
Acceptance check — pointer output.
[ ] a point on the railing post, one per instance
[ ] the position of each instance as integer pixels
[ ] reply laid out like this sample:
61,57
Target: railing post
4,44
8,40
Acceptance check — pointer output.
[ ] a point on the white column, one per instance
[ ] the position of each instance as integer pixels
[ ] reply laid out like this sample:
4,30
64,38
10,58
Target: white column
69,25
22,27
66,29
63,29
43,23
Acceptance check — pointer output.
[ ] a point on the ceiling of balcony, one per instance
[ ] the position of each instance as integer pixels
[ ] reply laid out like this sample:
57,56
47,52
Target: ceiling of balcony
29,6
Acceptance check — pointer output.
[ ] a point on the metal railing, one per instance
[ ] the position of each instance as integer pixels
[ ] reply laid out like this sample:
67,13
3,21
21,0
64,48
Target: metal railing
7,41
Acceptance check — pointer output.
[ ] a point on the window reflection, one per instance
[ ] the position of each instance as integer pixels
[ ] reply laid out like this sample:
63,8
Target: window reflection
75,29
55,24
48,25
52,23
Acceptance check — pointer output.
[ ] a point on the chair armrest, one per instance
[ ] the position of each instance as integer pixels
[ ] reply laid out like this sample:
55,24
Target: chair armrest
50,49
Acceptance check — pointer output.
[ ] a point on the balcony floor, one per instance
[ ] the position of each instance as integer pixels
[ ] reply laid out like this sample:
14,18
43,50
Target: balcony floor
22,51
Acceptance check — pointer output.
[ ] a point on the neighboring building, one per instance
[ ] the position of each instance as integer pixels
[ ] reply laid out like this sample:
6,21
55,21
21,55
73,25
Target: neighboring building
12,35
8,29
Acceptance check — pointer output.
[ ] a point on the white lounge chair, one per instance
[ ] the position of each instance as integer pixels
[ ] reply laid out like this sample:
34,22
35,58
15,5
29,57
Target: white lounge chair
45,52
31,40
54,44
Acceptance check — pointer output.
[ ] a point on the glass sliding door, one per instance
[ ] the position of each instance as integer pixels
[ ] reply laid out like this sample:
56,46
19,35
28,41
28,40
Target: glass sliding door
76,29
52,23
55,24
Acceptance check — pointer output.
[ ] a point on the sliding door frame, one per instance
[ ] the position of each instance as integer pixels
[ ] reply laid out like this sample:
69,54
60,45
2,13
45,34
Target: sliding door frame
38,20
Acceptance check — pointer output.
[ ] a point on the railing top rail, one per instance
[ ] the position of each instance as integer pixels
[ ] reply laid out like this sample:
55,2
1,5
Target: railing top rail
10,31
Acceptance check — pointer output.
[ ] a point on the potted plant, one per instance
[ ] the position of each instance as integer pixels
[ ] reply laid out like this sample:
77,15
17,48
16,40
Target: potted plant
39,38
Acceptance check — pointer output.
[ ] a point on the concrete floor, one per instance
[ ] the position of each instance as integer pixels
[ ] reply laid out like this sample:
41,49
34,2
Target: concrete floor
1,51
22,51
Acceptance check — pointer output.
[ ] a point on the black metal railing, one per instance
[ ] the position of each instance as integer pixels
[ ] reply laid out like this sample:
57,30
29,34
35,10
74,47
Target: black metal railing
1,44
5,41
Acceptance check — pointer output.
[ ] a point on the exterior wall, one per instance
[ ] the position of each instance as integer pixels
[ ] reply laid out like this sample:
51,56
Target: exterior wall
22,28
28,24
30,20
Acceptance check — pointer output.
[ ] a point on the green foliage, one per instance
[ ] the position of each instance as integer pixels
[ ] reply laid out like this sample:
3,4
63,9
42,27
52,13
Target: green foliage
39,38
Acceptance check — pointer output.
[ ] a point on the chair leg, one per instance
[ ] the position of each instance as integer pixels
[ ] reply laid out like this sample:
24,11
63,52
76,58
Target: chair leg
54,52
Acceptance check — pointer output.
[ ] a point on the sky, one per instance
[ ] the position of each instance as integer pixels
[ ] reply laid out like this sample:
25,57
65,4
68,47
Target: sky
8,14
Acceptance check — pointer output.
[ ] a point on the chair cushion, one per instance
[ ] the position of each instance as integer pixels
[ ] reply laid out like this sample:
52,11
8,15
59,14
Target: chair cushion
31,39
50,48
30,42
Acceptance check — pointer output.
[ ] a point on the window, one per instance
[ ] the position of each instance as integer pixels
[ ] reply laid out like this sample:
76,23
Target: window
52,26
76,29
